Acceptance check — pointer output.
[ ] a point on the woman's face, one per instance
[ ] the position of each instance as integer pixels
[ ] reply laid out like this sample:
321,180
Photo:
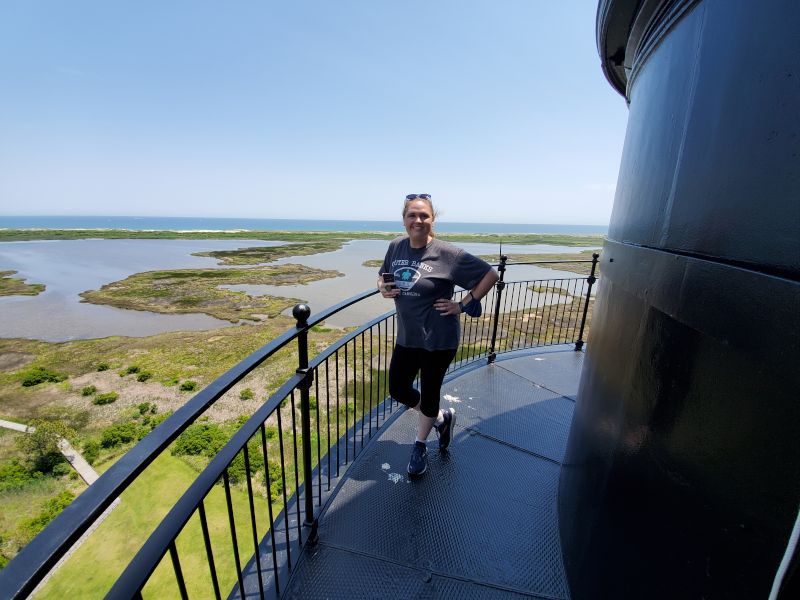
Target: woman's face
418,222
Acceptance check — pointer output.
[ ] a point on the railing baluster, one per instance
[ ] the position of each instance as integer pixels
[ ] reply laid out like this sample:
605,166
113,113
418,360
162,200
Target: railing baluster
371,397
268,481
346,409
363,390
517,314
591,279
283,483
209,552
319,440
253,527
301,312
328,418
338,408
527,313
296,473
498,294
176,564
234,540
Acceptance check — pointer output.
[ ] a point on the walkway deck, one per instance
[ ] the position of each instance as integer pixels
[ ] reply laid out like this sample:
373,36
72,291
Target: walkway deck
482,522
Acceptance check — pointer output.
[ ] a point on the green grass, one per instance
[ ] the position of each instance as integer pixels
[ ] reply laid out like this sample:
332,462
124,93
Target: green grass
261,254
94,567
10,286
170,357
199,290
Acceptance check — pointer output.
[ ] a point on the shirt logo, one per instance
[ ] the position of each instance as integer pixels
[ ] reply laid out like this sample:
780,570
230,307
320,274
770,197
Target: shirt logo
405,278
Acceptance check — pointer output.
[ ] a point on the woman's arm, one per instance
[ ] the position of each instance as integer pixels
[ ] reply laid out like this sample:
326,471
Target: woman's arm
484,285
445,306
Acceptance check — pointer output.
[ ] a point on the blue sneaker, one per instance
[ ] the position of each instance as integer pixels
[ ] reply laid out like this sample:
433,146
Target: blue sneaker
419,460
445,430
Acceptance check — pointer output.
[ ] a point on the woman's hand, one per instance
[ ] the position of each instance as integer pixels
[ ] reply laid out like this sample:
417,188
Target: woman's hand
447,307
387,292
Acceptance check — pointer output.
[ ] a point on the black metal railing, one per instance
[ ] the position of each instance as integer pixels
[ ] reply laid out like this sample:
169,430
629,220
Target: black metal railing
287,458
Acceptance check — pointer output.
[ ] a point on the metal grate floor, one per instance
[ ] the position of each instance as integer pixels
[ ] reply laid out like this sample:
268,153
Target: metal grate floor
482,522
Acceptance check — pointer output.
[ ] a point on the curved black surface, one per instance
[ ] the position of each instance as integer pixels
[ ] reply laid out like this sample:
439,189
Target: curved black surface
683,460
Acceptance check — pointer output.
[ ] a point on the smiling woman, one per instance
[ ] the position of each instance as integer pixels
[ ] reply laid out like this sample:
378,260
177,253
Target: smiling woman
420,274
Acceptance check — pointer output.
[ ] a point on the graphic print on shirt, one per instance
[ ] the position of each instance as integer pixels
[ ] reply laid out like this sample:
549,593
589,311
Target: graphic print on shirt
405,278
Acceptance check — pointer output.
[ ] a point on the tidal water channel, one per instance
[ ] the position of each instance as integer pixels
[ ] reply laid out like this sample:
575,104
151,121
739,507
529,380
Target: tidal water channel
70,267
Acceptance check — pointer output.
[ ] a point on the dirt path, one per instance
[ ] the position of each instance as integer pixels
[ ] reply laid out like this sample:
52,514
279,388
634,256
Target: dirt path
74,458
87,473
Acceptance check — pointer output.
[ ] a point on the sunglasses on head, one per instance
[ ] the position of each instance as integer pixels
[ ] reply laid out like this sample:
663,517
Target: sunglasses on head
421,196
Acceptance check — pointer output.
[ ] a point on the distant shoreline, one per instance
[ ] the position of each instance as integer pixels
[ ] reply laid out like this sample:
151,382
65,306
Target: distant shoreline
554,239
201,224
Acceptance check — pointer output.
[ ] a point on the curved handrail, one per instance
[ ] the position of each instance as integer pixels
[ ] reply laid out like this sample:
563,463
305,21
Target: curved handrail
35,560
142,565
21,576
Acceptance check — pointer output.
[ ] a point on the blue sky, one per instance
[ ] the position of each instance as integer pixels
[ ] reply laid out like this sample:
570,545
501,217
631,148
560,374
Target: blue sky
307,109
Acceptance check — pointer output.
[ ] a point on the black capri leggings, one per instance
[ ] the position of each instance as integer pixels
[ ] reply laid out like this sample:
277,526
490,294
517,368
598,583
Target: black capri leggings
403,369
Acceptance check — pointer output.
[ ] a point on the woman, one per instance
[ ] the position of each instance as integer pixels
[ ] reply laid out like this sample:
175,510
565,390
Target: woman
420,273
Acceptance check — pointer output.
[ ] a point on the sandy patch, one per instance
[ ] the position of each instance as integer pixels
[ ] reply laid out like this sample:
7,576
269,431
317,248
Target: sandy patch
166,398
11,361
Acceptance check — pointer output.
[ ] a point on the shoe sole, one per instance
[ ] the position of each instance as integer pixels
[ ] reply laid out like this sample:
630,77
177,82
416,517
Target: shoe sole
452,426
410,474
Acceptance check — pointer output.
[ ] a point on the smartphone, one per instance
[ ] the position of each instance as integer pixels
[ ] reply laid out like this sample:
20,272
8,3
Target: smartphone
388,280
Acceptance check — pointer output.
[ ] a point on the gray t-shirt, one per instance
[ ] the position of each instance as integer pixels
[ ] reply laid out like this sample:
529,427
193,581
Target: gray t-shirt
423,275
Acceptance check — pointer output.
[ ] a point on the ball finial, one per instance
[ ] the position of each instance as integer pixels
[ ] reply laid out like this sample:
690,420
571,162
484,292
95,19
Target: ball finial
301,312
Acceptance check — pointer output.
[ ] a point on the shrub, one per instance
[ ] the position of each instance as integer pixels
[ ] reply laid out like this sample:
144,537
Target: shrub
50,510
88,390
103,366
272,432
172,381
41,445
129,370
246,394
121,433
36,375
158,419
74,418
236,470
91,451
106,398
144,376
200,439
144,407
14,476
188,386
275,482
62,468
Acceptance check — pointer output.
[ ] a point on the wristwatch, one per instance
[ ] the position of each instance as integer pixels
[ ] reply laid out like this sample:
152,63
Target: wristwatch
461,302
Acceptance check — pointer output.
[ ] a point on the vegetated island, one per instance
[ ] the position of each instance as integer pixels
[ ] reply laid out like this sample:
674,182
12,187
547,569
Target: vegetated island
15,235
12,286
199,290
263,254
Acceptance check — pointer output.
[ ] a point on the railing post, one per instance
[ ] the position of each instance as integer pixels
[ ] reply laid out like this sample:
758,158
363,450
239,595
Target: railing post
301,312
498,294
591,279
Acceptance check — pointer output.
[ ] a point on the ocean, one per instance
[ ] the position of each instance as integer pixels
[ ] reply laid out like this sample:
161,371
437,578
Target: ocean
219,224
